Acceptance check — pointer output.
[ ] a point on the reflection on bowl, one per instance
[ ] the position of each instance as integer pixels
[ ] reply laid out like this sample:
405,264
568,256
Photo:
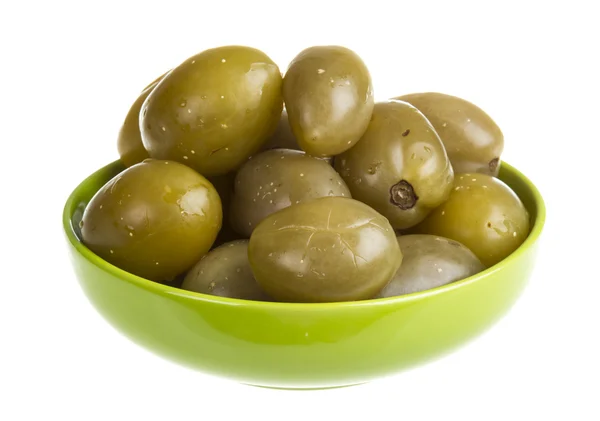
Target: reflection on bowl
300,345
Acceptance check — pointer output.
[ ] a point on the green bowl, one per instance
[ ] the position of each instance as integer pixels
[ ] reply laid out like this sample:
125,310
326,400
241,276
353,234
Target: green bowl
300,345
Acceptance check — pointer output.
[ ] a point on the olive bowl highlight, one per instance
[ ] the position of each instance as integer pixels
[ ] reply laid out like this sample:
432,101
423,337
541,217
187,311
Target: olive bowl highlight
294,345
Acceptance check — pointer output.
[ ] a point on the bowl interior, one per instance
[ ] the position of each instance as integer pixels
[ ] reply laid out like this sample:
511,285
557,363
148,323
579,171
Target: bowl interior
79,198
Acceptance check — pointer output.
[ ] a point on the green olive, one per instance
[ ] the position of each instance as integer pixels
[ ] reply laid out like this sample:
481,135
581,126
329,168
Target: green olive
155,219
399,166
430,261
283,138
327,250
129,143
214,110
473,141
276,179
328,95
225,272
484,214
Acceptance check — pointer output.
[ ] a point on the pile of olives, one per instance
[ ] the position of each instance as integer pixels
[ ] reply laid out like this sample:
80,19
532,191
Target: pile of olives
245,182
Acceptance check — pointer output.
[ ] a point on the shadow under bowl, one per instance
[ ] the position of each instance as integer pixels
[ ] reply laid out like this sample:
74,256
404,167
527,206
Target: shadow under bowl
300,346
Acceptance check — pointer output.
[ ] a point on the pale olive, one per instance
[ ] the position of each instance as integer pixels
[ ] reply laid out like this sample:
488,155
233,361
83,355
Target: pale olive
399,166
472,139
430,261
276,179
225,272
327,250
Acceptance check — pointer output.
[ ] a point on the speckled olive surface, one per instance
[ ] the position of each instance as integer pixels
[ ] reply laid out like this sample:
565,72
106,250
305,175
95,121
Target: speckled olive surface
154,219
214,110
484,214
276,179
399,166
328,95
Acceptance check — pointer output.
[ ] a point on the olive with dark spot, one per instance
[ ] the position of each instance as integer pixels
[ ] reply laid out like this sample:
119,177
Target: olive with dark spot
399,166
326,250
430,261
155,219
276,179
472,139
225,272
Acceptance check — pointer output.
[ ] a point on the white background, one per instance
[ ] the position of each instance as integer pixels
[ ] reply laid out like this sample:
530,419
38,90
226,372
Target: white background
69,73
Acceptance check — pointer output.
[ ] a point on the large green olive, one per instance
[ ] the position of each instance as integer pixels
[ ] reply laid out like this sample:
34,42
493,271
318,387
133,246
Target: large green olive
428,262
276,179
225,272
154,219
328,95
214,110
484,214
473,141
129,142
399,166
327,250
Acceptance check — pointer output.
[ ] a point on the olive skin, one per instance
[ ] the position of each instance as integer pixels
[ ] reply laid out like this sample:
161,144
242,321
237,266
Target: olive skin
129,142
429,262
473,141
225,272
399,167
155,219
328,95
330,249
224,186
283,138
214,110
276,179
484,214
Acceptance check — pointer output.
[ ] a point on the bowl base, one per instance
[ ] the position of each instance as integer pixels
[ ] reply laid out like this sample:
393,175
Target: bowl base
301,389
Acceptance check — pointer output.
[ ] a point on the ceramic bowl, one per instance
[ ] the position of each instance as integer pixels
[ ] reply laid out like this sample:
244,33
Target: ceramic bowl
300,345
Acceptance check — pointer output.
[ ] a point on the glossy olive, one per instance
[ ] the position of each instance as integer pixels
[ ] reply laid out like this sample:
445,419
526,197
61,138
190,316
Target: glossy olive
473,141
399,166
327,250
214,110
430,261
482,213
276,179
328,95
129,142
154,219
225,272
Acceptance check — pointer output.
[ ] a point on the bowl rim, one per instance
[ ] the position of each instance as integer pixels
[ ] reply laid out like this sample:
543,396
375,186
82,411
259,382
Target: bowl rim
159,288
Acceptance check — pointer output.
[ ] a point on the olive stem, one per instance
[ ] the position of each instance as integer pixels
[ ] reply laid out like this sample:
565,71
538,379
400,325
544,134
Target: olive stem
403,195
